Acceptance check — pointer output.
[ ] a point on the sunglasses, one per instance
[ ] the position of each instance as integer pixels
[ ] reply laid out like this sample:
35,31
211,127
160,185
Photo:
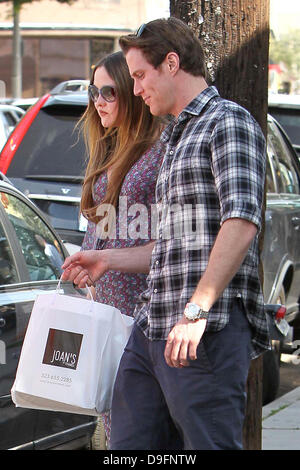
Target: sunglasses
140,30
108,93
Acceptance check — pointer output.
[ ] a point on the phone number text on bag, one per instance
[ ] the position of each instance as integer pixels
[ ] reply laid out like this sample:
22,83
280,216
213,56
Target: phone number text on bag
59,379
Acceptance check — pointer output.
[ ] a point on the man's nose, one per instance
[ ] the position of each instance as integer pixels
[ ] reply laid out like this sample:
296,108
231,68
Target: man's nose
137,89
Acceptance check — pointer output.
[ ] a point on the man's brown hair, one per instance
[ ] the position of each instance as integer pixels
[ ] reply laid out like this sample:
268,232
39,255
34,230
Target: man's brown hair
159,37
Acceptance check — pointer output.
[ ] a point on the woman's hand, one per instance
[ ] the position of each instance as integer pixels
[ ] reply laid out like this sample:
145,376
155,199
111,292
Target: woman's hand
85,267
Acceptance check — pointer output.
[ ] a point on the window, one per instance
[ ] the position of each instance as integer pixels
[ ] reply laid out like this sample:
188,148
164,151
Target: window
51,136
42,251
286,175
11,120
8,273
99,48
290,121
270,179
60,59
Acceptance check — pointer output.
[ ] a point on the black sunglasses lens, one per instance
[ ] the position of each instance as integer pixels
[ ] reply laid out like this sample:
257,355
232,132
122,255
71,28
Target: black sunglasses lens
108,93
93,92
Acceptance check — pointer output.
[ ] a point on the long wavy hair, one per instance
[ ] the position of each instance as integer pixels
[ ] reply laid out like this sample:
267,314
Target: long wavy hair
114,148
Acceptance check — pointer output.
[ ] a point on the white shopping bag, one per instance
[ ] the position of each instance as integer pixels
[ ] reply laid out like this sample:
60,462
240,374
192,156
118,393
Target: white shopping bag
70,355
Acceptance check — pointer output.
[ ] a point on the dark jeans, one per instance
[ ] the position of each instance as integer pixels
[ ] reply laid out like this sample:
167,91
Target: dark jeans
197,407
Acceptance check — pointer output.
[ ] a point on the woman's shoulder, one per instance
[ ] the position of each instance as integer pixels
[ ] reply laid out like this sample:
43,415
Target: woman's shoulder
142,176
153,155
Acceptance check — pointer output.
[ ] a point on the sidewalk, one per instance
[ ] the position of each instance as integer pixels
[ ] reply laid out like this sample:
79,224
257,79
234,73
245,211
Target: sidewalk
281,423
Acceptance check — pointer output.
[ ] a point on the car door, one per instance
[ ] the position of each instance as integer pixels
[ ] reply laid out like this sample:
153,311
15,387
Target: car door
287,173
42,255
17,425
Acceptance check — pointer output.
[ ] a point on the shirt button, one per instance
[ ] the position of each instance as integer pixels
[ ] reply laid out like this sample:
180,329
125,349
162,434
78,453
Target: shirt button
156,262
171,152
155,291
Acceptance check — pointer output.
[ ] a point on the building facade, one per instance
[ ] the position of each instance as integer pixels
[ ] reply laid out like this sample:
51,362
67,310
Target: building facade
62,42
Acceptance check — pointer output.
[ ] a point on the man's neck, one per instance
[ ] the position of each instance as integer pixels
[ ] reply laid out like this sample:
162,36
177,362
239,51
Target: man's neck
187,88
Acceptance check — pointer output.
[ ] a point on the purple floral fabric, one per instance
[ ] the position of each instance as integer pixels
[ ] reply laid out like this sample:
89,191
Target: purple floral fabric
118,289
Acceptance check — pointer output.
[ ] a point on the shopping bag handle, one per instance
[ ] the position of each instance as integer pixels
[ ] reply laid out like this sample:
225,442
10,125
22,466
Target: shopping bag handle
88,288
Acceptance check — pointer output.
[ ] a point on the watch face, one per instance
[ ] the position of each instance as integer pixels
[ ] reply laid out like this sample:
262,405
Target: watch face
191,311
194,312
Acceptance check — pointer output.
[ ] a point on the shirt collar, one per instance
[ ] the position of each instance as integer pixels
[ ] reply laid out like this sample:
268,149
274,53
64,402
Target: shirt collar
193,108
197,104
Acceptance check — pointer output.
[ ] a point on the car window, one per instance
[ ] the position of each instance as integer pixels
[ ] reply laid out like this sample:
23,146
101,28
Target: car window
8,273
19,114
42,251
51,146
4,125
270,176
10,118
287,179
290,121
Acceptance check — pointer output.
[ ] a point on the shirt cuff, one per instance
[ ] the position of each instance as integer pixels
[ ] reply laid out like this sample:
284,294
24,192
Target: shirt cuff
242,210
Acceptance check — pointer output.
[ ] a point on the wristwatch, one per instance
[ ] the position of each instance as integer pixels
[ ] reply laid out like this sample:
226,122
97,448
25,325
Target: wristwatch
193,312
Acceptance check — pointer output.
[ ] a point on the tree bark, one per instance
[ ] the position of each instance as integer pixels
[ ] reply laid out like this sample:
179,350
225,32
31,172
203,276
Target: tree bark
235,37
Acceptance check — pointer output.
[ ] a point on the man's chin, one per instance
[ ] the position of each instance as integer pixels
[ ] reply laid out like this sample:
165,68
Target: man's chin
154,111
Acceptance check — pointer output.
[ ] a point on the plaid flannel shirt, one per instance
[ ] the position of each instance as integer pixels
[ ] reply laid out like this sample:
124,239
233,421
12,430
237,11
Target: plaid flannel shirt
213,170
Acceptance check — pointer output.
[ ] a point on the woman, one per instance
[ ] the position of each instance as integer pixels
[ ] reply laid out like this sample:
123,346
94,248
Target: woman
122,140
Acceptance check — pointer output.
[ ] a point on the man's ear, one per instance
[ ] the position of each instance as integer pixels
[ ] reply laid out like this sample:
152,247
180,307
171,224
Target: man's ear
173,62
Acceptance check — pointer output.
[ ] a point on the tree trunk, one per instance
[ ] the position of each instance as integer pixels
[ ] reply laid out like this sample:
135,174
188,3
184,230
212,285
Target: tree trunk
17,56
235,37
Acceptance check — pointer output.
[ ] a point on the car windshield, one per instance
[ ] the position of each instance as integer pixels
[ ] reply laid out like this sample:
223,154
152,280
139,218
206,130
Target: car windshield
51,146
290,121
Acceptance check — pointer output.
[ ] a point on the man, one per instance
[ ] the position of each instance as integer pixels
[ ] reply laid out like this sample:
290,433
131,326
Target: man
181,380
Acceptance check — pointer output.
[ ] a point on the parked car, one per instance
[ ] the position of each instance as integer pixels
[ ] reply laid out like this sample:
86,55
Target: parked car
281,252
9,116
286,109
45,159
31,254
70,86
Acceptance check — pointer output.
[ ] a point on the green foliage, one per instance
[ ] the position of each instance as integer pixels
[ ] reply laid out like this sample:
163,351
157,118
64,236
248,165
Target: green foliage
286,50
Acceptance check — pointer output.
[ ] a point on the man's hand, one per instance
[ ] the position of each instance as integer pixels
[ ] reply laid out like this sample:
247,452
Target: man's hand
85,267
182,342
